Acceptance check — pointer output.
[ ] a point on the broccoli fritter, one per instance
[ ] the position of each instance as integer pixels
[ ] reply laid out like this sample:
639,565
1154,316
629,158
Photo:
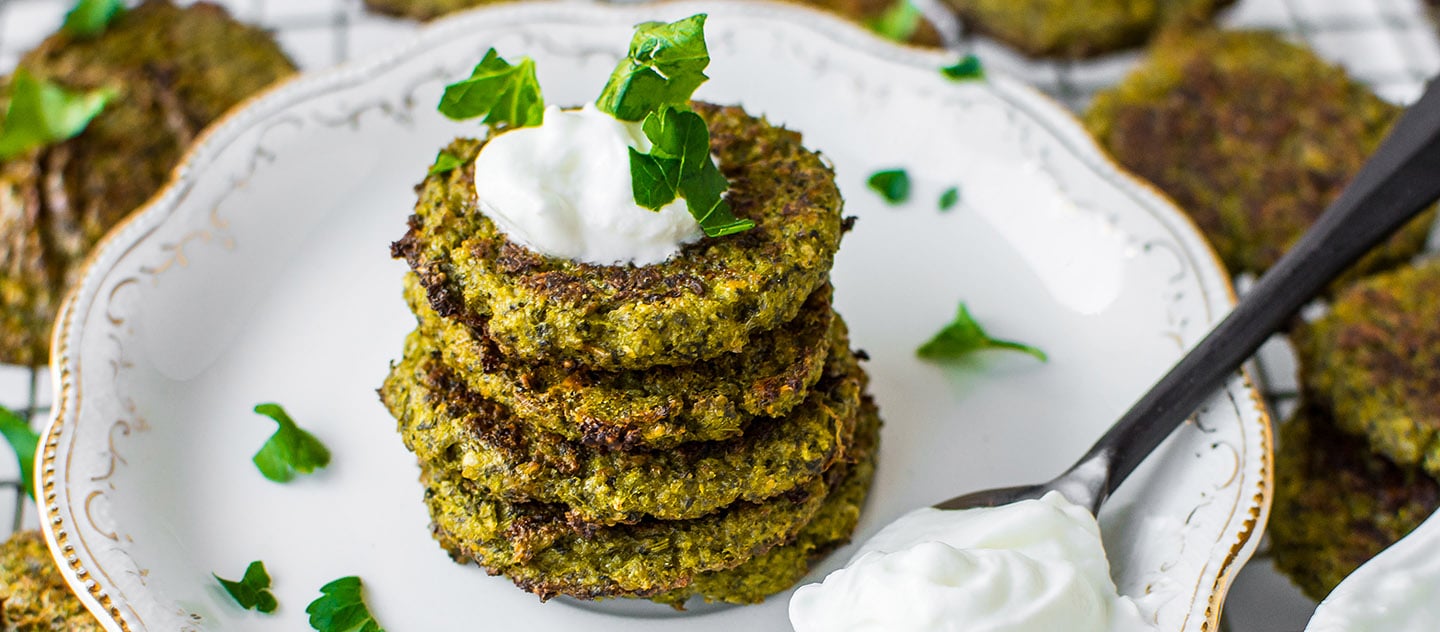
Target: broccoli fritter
1337,504
449,428
33,595
740,555
1374,360
711,298
659,407
1253,137
1080,28
174,70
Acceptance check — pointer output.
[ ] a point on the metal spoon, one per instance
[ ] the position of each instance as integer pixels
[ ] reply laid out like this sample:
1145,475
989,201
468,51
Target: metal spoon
1399,181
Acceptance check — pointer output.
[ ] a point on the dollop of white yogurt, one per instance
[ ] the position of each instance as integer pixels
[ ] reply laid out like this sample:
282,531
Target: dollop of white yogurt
1397,591
563,189
1035,565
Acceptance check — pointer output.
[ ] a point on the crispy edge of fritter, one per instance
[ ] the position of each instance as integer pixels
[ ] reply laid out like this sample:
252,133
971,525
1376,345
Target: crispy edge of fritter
1337,504
33,595
451,429
1374,361
1176,121
708,299
659,407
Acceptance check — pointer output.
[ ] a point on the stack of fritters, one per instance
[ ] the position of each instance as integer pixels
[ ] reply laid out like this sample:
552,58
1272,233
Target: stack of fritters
696,427
1358,465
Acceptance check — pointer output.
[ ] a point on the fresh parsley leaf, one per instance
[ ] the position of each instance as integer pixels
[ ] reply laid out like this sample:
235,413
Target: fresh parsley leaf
665,65
502,93
25,442
252,592
445,162
42,113
967,69
290,450
891,184
341,608
679,165
964,336
949,198
90,17
899,22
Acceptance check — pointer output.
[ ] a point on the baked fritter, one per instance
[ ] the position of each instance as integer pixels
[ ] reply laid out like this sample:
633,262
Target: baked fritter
739,555
1337,504
1374,360
1081,28
785,565
862,11
174,70
659,407
1253,137
709,299
33,595
452,429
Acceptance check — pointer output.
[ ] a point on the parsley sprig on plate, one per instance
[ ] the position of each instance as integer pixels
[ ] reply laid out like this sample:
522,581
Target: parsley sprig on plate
252,591
341,608
42,113
290,450
506,95
964,336
25,441
89,18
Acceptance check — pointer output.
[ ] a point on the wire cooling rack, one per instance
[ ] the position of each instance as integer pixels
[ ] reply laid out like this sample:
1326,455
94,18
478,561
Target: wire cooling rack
1389,44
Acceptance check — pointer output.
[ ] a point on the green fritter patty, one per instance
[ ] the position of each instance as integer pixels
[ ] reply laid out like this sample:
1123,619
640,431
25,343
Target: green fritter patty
33,595
1080,28
1374,360
740,555
1337,504
709,299
785,565
174,71
659,407
1253,137
862,11
450,428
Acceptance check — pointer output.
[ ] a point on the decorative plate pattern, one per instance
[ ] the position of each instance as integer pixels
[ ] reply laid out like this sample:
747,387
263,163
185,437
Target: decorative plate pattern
262,274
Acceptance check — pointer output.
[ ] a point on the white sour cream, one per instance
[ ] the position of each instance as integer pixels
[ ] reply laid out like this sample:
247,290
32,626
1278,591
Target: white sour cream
562,189
1397,591
1032,566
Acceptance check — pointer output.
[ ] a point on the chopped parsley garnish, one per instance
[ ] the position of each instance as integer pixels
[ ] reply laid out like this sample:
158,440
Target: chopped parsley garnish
505,95
964,336
42,113
653,84
967,69
90,17
665,65
341,608
679,165
25,441
445,162
290,450
891,184
898,23
252,592
949,198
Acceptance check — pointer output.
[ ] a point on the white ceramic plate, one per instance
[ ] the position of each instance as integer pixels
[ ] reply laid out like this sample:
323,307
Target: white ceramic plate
262,274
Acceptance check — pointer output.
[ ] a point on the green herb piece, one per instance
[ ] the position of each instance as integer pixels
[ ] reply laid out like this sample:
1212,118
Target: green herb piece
679,165
25,441
502,93
891,184
949,198
42,113
341,608
964,336
898,23
89,17
252,592
967,69
445,162
665,65
290,450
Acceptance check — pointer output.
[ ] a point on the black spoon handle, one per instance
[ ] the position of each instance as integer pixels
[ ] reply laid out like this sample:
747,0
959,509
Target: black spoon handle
1399,181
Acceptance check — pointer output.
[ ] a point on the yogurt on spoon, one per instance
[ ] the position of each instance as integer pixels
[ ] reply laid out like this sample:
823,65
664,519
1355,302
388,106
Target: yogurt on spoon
1031,566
